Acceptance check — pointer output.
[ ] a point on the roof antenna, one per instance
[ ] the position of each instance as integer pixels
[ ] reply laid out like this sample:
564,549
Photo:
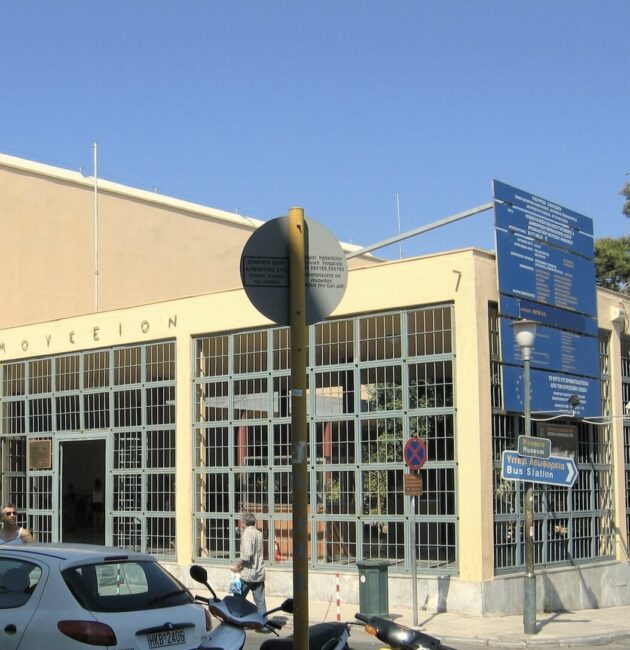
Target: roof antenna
398,218
95,165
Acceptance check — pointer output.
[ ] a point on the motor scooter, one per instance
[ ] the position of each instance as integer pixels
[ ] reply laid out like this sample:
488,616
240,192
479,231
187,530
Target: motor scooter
237,614
398,636
321,636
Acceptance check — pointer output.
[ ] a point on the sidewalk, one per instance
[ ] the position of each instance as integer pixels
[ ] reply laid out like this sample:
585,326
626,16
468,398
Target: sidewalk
585,628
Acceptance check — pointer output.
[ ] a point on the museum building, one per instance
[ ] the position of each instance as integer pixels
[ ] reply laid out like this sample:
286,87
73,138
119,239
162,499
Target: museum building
130,354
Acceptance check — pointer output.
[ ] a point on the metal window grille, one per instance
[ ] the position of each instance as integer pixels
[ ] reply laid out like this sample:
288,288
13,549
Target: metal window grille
281,350
430,331
212,447
571,524
381,388
160,363
334,392
125,395
625,400
334,442
212,356
250,398
380,337
334,343
68,415
372,381
39,376
67,375
127,366
281,444
250,352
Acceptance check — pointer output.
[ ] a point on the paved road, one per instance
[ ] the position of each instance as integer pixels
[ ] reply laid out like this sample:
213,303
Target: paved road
361,641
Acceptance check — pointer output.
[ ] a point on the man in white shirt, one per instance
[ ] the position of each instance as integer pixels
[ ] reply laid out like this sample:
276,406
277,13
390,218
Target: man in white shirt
10,532
251,563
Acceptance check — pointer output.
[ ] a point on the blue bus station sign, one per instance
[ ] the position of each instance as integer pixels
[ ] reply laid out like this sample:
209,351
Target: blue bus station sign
555,470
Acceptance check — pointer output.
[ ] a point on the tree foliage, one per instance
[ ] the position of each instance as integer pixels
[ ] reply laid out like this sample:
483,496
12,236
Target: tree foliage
612,262
625,191
388,396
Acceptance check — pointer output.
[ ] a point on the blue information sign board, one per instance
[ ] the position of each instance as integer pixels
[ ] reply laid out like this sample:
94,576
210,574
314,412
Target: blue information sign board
546,273
561,218
544,228
532,270
555,470
569,320
551,392
554,349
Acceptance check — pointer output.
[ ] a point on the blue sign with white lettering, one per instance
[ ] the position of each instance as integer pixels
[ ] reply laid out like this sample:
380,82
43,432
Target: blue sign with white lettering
545,229
555,349
532,270
560,217
555,470
551,392
546,273
552,316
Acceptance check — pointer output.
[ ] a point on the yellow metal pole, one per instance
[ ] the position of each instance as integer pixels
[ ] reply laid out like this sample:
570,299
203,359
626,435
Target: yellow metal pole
299,441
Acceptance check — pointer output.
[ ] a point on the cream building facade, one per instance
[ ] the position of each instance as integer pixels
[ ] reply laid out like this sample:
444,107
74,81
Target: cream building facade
175,394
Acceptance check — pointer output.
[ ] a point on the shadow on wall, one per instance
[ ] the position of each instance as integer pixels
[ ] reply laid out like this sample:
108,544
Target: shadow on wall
622,543
444,584
552,601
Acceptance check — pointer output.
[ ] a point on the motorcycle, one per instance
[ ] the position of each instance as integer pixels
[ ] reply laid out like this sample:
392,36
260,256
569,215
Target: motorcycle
398,636
321,636
237,614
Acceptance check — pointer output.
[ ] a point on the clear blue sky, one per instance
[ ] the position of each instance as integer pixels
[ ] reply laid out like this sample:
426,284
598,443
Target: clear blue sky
334,105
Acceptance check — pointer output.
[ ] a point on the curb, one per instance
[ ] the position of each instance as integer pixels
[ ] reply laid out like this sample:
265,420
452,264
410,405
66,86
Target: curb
595,640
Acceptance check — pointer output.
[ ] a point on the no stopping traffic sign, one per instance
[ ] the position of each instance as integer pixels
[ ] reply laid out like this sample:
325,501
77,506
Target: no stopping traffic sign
415,453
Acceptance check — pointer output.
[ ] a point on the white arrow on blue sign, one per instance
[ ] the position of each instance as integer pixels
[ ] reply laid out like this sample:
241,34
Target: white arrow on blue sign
555,470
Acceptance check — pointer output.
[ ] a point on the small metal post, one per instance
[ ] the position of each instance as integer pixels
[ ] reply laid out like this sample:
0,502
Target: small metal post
414,563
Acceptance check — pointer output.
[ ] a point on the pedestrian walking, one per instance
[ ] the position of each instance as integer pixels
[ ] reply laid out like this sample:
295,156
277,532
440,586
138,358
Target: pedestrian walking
251,564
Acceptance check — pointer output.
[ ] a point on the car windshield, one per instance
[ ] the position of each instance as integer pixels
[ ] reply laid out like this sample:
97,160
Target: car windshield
18,580
125,586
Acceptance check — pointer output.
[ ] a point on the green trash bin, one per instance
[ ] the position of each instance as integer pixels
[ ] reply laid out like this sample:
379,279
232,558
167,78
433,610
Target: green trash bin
373,594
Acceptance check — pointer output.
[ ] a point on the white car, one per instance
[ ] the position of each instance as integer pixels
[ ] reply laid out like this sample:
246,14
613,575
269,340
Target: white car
71,596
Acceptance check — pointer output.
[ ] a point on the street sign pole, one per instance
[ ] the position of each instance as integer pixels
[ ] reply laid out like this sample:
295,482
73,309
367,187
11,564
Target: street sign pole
295,273
529,588
297,308
415,456
414,562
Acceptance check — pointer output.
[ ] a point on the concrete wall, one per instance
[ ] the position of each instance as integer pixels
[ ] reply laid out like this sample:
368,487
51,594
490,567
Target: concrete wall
560,589
150,247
